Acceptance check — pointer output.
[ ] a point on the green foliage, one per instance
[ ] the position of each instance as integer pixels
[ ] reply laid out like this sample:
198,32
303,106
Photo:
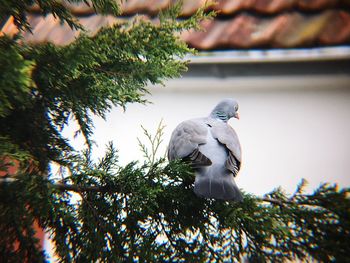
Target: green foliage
15,82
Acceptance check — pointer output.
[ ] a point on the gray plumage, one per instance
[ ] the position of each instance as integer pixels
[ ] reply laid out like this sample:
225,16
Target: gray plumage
213,149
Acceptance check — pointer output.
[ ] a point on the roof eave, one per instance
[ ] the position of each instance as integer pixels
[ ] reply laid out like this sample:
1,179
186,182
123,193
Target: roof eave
271,55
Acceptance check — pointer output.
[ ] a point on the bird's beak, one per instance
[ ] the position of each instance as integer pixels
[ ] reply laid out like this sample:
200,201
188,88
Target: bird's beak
236,116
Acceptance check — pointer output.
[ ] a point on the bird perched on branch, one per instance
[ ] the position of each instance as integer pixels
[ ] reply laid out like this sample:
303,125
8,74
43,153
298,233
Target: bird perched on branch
212,148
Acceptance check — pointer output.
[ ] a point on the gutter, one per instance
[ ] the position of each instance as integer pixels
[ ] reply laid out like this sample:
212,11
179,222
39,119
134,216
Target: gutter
271,55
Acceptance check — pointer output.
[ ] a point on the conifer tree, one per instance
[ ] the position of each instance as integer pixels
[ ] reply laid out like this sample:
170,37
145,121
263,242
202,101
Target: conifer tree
145,211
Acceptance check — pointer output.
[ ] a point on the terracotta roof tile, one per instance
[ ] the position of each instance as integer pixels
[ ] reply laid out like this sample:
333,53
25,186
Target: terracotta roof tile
49,29
286,30
44,28
299,30
262,6
156,5
234,29
276,6
339,22
190,7
225,7
211,36
317,4
243,30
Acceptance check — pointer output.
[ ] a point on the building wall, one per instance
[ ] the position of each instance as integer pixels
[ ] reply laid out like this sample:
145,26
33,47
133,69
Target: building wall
291,127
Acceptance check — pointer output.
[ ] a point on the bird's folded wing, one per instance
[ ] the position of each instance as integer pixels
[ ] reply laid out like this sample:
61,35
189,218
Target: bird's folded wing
233,164
185,140
228,137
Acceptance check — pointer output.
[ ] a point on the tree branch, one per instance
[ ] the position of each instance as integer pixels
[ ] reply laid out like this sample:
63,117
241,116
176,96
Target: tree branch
69,187
82,188
288,202
107,189
276,201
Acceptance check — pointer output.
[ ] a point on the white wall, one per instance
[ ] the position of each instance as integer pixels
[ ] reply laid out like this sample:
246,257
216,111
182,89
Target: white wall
290,128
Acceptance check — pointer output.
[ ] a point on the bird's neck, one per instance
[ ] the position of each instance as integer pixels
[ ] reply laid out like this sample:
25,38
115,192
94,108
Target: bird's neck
219,115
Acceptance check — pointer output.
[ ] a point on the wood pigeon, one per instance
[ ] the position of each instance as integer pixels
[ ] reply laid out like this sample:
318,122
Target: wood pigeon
213,150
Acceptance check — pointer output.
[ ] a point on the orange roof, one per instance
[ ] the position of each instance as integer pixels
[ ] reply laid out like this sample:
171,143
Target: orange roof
239,24
225,7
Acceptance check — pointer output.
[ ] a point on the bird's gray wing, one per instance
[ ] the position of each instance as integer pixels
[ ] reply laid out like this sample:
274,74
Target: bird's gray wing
228,137
185,140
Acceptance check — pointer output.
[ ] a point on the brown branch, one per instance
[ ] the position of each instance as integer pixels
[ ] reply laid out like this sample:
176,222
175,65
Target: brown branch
85,188
288,202
70,187
276,202
82,188
7,180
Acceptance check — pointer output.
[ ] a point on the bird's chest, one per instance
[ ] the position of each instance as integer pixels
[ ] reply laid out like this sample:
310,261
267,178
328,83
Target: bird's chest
214,150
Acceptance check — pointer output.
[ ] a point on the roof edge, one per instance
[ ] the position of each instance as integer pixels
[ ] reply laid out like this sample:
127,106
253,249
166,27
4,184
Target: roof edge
271,55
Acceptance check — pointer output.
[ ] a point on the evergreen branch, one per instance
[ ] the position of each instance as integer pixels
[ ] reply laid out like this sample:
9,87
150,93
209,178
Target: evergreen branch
69,187
276,201
282,202
107,189
83,188
101,223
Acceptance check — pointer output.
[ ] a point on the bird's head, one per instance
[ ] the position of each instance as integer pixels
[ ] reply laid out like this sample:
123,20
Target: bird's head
225,110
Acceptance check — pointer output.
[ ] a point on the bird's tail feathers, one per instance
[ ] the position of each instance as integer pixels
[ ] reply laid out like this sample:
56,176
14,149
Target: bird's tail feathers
223,188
